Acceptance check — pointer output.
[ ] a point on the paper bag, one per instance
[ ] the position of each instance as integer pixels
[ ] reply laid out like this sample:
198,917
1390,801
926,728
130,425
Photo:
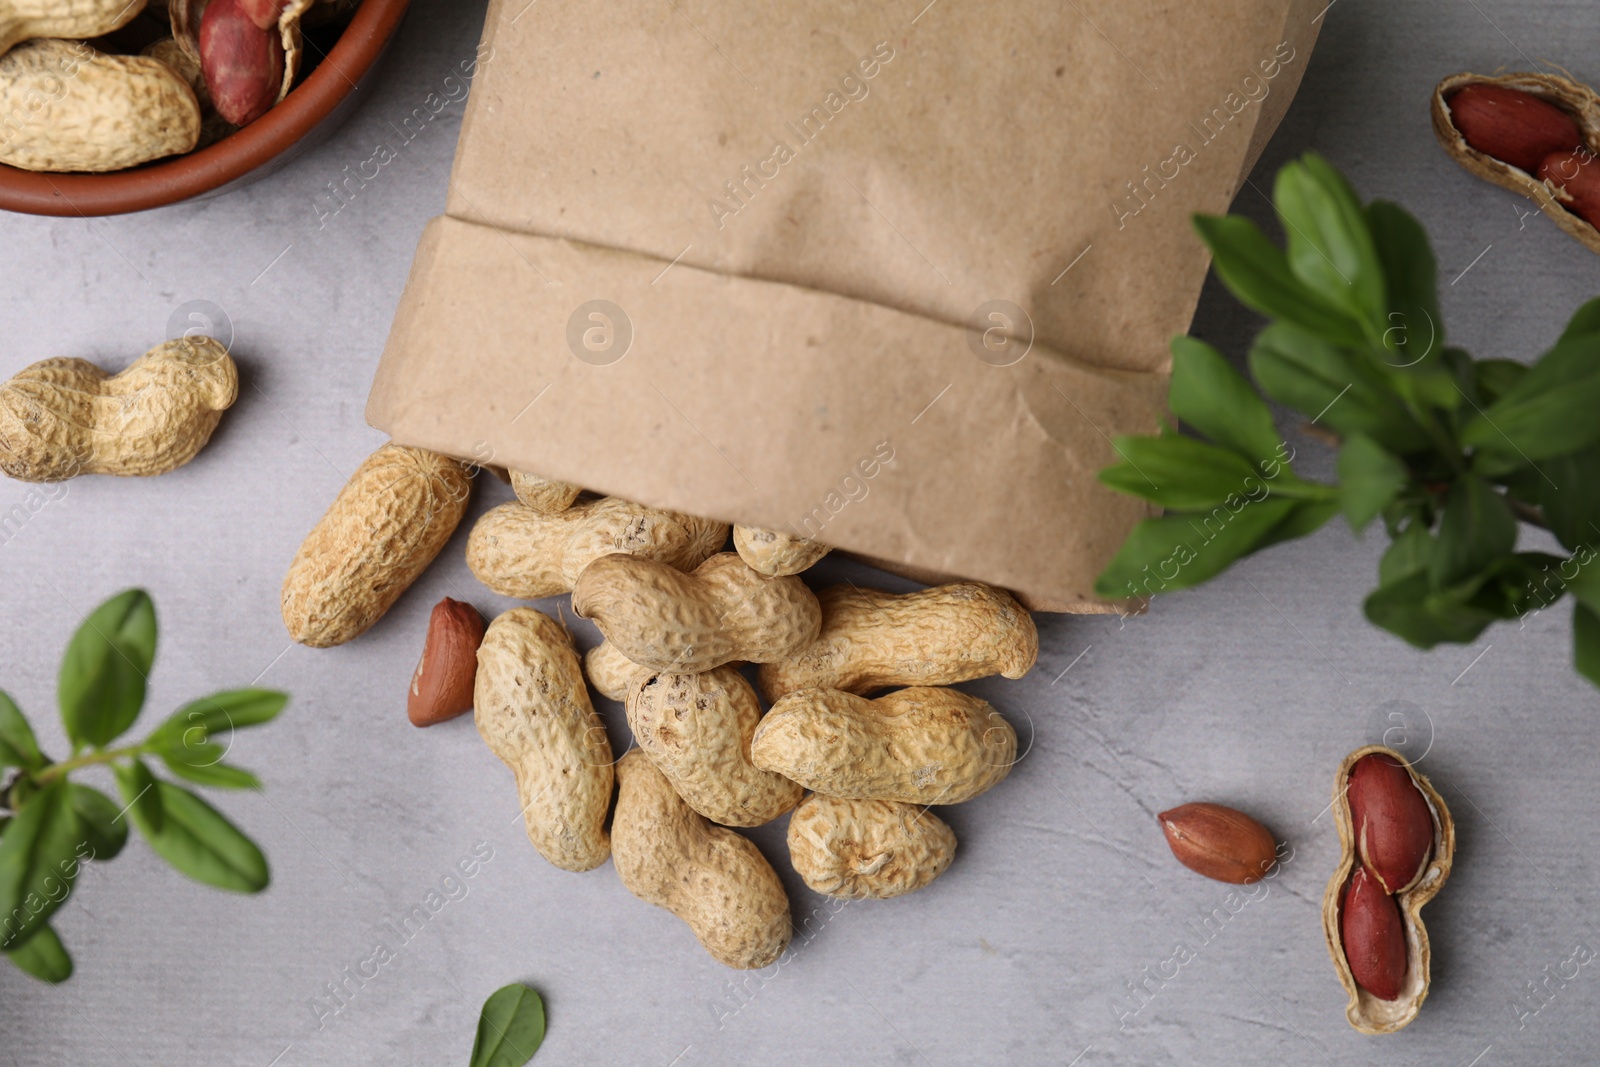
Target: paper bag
887,277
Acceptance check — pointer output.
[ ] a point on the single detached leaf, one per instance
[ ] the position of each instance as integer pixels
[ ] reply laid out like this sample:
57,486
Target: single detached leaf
1178,551
1550,411
1477,528
18,746
1180,473
1585,320
1330,249
1570,497
1369,478
1257,273
103,672
510,1027
105,828
231,709
196,839
1414,329
43,956
1586,641
193,765
38,862
138,788
1215,399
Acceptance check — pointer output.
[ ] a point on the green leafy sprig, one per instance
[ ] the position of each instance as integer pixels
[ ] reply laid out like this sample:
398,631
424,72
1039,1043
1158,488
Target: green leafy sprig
50,824
1452,452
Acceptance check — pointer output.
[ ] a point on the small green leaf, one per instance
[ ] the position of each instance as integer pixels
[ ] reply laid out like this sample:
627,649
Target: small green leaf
1477,527
38,862
1215,399
1497,377
1585,320
138,788
18,746
510,1028
1414,330
1550,411
231,709
1330,249
43,956
1413,610
1178,551
1409,554
1569,494
1586,641
1369,478
104,670
1179,472
1256,271
197,840
192,765
104,827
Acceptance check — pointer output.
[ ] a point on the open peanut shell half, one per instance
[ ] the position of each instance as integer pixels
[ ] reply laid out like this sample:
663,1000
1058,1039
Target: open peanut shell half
1368,1013
1575,98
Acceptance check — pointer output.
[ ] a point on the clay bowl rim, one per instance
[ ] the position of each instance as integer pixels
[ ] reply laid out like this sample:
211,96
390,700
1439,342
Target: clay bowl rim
184,177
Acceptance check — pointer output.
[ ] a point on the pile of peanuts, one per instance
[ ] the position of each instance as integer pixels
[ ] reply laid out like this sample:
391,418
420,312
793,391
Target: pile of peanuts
860,737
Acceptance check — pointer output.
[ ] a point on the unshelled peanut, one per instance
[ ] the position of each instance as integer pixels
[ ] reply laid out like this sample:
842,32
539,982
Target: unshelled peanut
871,640
666,620
921,745
696,728
862,849
519,552
23,20
716,881
544,494
774,553
610,672
533,711
64,417
71,108
383,529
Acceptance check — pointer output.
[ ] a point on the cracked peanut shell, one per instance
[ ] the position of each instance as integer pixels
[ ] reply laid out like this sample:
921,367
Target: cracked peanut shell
871,640
383,529
696,728
666,620
922,745
533,711
669,855
867,849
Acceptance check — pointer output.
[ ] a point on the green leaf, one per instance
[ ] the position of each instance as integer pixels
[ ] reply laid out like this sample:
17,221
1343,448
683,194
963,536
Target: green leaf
1586,641
1330,250
18,746
1306,517
197,840
101,821
138,788
1178,551
1328,385
1179,472
38,863
1585,320
1550,411
231,709
43,956
1497,377
1257,273
1414,329
1369,478
510,1028
1570,498
195,765
1215,399
1584,584
1413,610
104,670
1477,528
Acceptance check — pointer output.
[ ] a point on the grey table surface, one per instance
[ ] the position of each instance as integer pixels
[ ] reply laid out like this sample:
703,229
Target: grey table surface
1063,897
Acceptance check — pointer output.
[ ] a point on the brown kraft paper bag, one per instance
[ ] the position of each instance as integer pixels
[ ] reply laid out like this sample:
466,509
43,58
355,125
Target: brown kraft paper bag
889,276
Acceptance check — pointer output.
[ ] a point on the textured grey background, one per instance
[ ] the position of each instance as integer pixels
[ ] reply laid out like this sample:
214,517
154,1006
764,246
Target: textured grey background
1247,691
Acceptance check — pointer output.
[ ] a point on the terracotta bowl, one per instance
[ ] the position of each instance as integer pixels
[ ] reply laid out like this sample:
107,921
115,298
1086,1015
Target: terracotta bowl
306,117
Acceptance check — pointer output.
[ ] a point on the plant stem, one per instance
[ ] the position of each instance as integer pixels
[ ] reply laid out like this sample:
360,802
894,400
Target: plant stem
1529,514
56,770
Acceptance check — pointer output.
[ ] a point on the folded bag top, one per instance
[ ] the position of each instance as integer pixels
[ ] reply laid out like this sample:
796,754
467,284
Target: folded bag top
885,277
